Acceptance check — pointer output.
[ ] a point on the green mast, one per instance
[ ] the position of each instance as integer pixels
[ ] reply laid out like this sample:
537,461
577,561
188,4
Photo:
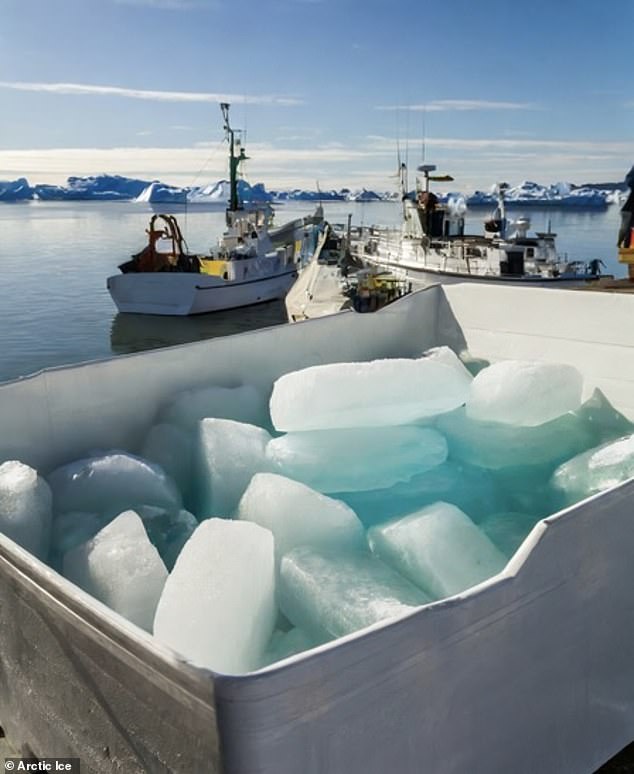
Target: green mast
234,161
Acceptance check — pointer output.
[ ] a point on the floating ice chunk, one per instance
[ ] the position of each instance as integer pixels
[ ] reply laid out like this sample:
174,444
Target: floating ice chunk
595,470
218,606
167,530
229,455
508,530
331,595
25,507
111,484
284,644
358,458
242,404
472,489
297,515
121,568
520,392
170,447
378,393
439,548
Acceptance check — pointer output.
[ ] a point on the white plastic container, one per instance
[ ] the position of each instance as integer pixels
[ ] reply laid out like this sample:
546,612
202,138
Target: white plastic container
532,671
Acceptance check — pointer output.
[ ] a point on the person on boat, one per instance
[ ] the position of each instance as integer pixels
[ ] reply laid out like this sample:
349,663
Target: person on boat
627,213
595,266
427,200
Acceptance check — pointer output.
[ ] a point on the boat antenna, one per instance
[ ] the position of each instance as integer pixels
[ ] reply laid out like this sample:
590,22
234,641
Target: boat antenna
234,160
424,119
407,138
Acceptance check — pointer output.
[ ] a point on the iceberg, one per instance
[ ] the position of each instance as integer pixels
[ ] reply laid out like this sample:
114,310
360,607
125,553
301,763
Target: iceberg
330,595
438,548
101,187
25,507
213,193
159,193
297,515
121,568
366,394
15,190
218,605
523,392
356,459
529,193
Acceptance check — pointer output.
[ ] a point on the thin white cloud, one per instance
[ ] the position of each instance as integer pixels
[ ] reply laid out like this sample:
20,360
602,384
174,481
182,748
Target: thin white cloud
440,105
580,146
476,163
82,89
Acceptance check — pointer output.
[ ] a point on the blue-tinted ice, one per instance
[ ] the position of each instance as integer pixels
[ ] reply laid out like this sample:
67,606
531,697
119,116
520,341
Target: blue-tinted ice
443,475
331,594
357,459
438,548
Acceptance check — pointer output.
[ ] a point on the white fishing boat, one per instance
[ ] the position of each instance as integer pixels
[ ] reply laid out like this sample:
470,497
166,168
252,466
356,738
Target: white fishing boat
252,263
431,245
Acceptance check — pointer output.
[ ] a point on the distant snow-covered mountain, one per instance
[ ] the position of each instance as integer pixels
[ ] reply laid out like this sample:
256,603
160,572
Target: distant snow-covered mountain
118,188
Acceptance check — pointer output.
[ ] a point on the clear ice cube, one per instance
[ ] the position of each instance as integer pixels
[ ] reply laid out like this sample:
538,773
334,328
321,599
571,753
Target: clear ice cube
111,484
356,459
25,507
522,392
121,568
229,455
332,594
218,606
438,548
372,394
298,515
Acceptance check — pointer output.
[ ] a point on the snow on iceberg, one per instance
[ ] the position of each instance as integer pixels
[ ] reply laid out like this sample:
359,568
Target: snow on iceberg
159,193
213,193
102,187
529,193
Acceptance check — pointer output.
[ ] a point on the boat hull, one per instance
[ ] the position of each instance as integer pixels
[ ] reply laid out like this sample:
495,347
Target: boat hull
176,294
531,671
424,275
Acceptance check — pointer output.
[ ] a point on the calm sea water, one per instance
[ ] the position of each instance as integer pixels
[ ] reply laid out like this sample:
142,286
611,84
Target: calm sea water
55,258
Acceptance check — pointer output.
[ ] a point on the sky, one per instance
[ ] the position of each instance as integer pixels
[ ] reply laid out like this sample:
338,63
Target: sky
328,92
